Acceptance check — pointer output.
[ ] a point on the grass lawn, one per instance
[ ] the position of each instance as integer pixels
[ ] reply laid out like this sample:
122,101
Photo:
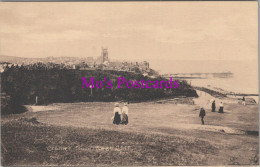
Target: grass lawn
157,134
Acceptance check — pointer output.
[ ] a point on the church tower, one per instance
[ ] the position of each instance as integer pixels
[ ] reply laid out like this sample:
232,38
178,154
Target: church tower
104,55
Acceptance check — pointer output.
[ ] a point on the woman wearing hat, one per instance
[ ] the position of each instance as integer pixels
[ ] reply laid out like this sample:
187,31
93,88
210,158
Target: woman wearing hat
124,115
117,113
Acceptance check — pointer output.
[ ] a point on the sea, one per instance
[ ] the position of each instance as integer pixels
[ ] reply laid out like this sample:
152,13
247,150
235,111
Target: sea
244,80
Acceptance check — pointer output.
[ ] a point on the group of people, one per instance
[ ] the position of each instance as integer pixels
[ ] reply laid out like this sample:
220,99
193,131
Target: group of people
202,113
120,116
221,107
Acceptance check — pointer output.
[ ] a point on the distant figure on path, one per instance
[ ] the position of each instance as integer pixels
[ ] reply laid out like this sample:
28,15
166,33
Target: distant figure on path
244,101
36,100
213,106
221,108
202,115
117,113
124,115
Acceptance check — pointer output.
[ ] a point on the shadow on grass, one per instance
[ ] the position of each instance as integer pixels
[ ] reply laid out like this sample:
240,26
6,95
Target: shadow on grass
14,109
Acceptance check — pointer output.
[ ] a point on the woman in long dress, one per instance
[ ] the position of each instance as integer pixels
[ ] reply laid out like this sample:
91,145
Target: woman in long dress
244,101
213,106
124,115
221,108
117,113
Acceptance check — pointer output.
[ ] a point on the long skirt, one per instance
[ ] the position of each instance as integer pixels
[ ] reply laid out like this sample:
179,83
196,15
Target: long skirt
221,109
213,107
124,119
117,119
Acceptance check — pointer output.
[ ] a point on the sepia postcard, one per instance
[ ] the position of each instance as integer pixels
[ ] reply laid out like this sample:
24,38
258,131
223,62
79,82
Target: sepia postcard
157,83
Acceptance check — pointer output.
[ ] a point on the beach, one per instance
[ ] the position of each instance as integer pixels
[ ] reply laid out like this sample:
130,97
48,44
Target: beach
166,132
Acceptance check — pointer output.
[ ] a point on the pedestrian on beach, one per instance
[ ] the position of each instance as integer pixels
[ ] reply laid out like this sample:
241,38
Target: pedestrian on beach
213,106
221,108
202,115
124,115
244,101
117,113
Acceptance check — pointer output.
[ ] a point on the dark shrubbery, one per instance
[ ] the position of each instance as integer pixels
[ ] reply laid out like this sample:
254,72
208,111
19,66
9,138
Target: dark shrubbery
11,105
21,86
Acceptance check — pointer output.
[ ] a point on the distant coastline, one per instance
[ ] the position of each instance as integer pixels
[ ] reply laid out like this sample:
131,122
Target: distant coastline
219,93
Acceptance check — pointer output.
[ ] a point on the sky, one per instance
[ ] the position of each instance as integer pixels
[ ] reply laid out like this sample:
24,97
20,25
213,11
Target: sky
154,31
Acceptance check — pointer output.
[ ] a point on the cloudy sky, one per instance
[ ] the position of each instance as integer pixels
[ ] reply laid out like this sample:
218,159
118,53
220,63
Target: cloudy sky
131,30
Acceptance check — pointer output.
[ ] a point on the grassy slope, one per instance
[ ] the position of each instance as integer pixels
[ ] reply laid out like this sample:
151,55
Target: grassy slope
114,148
167,138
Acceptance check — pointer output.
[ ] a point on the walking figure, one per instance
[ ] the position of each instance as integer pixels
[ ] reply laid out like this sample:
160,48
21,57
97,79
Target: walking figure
244,101
117,113
213,106
36,100
221,108
202,115
124,115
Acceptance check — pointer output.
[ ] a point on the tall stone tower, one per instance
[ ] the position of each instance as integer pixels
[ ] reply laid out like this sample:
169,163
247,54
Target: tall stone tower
104,55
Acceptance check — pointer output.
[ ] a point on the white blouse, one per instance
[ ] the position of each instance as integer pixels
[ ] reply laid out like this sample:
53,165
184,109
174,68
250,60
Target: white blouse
125,110
117,109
